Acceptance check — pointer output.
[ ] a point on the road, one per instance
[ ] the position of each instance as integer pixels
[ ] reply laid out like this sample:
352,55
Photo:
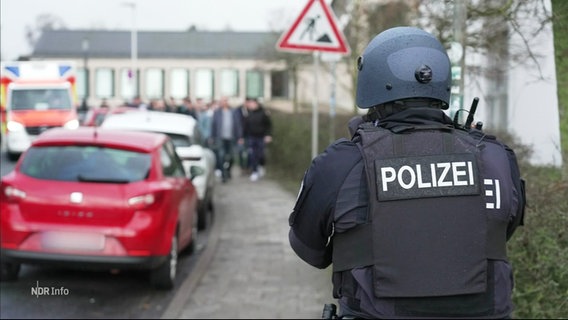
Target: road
83,293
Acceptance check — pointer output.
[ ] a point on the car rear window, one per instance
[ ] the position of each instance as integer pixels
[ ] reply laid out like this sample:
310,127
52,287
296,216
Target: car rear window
85,164
180,140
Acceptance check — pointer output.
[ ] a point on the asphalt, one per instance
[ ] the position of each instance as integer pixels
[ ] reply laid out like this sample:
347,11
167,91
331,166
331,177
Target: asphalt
247,269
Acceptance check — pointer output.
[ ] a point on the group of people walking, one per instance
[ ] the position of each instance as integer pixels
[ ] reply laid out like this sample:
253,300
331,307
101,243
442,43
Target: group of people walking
232,132
242,131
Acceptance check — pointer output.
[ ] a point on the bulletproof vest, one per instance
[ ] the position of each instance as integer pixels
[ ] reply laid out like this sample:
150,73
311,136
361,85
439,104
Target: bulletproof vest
429,230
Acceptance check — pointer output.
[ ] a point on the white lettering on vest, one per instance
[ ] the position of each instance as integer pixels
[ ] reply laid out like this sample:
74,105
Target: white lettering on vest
421,183
443,174
493,190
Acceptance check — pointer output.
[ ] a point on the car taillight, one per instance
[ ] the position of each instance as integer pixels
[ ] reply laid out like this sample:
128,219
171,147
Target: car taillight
12,194
143,201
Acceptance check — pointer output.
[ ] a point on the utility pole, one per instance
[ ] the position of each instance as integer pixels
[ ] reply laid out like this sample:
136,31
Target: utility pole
332,59
332,102
458,63
85,47
133,49
315,108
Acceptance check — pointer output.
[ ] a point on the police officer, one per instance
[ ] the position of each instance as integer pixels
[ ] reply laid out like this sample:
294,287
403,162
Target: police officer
412,212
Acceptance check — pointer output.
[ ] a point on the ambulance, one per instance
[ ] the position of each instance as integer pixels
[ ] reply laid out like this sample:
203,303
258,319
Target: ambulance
34,97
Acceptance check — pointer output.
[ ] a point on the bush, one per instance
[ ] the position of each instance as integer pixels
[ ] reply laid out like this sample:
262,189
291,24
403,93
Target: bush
290,153
538,250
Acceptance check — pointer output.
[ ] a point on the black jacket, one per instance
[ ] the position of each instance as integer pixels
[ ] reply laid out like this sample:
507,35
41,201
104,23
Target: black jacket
257,123
335,182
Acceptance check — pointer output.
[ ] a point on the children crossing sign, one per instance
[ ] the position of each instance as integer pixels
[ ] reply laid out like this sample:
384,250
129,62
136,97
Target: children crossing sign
315,29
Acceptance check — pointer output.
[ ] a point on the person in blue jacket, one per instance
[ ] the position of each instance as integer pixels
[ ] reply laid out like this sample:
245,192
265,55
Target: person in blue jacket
226,134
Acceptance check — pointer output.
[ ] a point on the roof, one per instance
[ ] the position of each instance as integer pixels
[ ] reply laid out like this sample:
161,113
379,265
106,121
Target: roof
131,140
166,122
156,44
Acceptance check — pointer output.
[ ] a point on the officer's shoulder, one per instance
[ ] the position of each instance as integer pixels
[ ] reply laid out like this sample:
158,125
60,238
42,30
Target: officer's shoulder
342,144
340,151
483,137
340,155
480,134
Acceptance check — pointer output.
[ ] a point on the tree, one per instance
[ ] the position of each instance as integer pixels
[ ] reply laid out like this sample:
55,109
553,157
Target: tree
560,25
292,62
43,22
367,19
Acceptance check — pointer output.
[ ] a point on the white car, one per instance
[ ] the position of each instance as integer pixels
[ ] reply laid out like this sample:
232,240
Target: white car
186,136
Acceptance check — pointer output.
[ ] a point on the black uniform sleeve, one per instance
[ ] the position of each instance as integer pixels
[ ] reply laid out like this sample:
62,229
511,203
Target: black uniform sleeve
311,221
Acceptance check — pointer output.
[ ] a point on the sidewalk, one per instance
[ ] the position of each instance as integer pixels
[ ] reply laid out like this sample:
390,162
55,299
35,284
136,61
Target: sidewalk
248,270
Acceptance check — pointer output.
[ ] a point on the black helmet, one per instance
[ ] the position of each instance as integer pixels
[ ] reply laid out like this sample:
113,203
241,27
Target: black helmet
402,63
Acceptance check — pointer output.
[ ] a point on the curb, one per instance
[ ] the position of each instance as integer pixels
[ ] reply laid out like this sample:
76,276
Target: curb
176,306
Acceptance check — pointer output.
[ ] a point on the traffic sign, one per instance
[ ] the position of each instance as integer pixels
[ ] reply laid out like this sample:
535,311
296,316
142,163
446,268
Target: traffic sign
315,29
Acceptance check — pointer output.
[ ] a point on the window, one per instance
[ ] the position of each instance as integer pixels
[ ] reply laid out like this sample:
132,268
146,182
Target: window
230,82
86,164
279,84
204,84
128,88
82,83
154,83
255,84
104,83
180,140
41,99
179,83
171,163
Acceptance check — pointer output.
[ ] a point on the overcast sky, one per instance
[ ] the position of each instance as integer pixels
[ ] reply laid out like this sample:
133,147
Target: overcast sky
172,15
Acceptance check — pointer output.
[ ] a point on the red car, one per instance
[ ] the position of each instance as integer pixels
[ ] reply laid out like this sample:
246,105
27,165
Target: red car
107,199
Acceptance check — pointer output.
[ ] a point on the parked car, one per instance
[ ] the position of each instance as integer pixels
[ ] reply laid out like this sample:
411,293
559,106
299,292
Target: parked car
95,116
103,199
186,136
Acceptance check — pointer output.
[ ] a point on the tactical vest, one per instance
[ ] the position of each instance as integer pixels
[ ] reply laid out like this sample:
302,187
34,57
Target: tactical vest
429,230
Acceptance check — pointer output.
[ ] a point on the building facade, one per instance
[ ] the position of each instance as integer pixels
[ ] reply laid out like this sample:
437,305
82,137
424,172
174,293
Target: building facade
195,64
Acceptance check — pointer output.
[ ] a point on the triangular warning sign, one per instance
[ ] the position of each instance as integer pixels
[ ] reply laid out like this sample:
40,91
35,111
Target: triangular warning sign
315,29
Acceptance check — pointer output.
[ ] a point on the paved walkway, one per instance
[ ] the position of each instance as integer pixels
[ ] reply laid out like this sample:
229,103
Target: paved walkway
248,270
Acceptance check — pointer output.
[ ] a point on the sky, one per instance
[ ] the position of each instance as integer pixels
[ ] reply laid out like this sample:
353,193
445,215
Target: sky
157,15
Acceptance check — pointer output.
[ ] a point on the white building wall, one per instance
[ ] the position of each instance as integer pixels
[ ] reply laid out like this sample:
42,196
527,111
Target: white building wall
533,106
532,99
343,92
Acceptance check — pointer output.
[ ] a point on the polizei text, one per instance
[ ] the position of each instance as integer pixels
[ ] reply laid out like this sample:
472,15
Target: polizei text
426,176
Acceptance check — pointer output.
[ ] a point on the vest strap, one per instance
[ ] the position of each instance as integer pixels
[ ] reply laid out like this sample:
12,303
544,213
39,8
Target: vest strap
348,253
496,239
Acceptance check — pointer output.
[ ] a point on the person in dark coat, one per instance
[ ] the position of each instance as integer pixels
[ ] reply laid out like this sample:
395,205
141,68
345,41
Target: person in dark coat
414,211
258,132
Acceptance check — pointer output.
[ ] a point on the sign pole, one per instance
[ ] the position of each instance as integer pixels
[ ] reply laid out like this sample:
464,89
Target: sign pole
332,103
315,107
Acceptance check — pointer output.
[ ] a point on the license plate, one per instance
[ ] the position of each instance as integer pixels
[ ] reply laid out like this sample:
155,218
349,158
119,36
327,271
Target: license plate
72,240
